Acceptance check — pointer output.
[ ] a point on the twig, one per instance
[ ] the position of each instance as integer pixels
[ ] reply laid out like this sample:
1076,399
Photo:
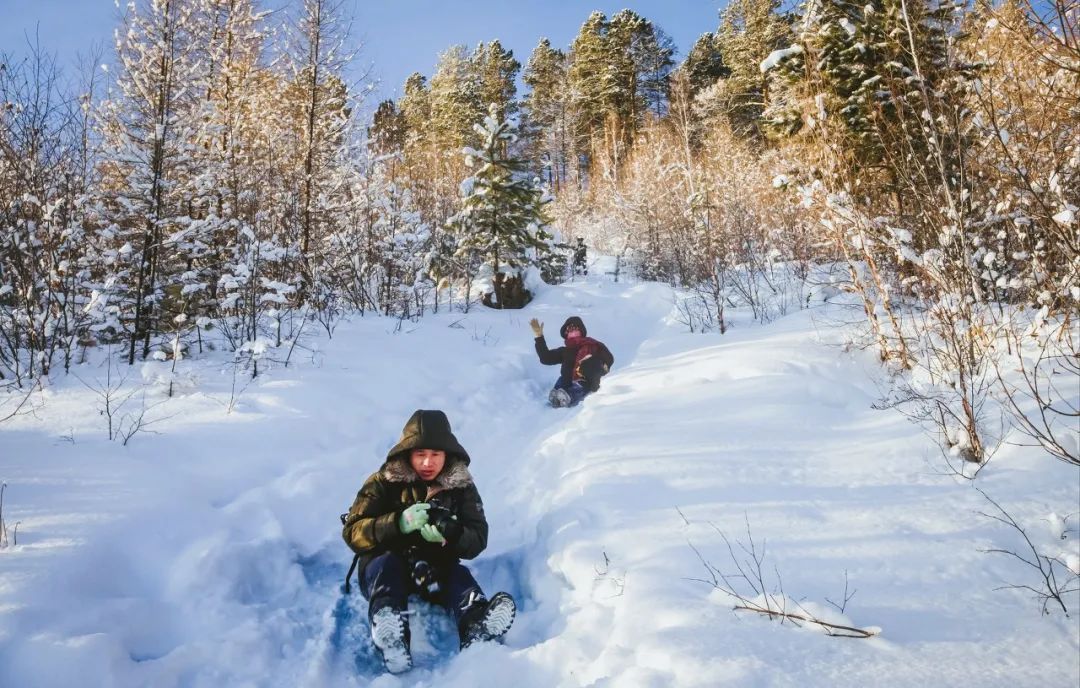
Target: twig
1052,589
847,597
852,631
22,402
750,564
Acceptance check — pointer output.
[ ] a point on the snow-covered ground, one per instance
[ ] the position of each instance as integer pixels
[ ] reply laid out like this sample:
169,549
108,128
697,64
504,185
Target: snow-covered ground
209,554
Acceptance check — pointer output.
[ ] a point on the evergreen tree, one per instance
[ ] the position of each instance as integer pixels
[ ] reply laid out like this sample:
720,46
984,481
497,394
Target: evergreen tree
455,100
545,113
389,129
619,71
750,30
704,64
653,52
590,82
147,165
318,100
497,72
401,238
854,60
227,179
501,222
415,105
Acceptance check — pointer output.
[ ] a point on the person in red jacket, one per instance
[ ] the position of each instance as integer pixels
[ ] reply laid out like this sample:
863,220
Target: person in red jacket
583,361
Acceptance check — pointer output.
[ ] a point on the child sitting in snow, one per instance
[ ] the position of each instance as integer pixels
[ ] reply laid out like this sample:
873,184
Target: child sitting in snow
410,525
584,361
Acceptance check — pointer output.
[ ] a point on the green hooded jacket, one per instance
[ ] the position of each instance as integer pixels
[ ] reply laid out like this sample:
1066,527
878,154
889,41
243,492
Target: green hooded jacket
371,526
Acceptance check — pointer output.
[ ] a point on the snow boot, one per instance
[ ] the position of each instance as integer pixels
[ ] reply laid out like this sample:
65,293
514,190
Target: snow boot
486,620
390,633
559,398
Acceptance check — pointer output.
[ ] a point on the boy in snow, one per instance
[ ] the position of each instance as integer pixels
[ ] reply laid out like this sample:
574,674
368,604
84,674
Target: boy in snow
410,525
584,361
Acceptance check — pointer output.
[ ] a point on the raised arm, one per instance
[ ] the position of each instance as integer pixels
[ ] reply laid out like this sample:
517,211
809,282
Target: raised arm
546,355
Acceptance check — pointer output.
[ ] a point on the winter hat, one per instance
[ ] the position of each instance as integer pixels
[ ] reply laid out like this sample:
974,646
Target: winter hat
572,322
428,430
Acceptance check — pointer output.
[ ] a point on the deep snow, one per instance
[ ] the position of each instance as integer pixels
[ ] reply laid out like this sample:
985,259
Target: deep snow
210,554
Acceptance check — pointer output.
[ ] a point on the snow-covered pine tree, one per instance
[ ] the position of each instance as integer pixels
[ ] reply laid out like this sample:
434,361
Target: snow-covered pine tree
652,54
378,256
501,222
389,129
423,161
455,100
401,243
228,180
749,31
148,126
317,121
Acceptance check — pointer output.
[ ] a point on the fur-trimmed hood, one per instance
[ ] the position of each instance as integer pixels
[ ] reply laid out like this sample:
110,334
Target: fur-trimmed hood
455,473
428,430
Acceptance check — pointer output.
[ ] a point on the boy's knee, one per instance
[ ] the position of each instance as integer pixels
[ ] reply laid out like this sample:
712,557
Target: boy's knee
384,578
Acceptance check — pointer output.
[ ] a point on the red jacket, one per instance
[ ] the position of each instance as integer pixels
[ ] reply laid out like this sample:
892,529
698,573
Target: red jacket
574,360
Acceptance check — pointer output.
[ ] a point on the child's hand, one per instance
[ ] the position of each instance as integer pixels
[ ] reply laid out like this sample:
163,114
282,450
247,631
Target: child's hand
413,518
432,534
537,327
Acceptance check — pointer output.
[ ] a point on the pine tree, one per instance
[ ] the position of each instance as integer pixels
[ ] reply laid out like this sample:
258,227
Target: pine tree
619,71
653,53
455,100
148,127
497,72
590,83
750,30
415,104
704,64
501,222
225,144
318,101
401,242
388,130
546,114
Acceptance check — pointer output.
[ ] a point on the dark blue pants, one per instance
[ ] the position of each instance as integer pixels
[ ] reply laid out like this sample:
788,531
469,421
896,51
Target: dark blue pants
387,581
576,390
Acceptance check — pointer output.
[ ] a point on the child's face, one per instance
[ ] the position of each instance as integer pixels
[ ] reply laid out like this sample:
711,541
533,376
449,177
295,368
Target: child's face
428,463
572,334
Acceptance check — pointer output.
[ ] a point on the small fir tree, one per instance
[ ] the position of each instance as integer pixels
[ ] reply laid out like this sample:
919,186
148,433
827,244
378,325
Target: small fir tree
501,222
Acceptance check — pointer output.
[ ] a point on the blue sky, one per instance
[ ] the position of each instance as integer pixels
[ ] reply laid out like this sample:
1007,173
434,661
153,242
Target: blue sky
397,37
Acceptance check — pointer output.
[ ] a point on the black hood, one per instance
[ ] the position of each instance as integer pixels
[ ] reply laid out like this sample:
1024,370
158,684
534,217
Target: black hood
428,430
576,322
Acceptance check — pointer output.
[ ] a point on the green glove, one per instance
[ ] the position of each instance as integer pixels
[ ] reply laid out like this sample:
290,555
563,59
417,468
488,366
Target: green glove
413,518
430,533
